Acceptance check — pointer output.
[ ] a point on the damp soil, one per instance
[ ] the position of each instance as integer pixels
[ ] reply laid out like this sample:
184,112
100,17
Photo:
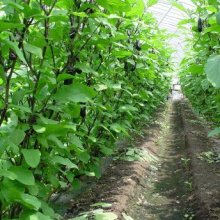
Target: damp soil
166,192
170,181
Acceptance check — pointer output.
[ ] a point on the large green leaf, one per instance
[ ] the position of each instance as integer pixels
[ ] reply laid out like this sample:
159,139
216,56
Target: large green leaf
137,8
30,201
15,48
179,5
23,175
35,216
7,25
122,53
83,156
213,29
151,2
214,132
106,216
32,157
115,5
64,161
66,129
11,190
212,70
33,49
74,93
14,4
195,68
8,174
17,136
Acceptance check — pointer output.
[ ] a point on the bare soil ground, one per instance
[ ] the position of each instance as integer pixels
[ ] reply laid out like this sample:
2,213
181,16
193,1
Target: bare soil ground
170,182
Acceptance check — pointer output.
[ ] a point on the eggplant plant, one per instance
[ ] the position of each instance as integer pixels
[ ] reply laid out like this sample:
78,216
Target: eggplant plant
75,76
200,70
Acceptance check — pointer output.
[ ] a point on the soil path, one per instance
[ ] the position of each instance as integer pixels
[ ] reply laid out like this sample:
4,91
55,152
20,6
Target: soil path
166,192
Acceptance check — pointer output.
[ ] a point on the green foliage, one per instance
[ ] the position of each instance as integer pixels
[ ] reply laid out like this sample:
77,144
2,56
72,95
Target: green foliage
210,157
212,70
200,70
137,154
97,214
214,132
75,76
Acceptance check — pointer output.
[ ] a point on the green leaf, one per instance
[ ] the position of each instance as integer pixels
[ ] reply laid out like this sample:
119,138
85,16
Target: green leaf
39,129
102,204
30,201
23,175
62,77
212,70
211,8
11,190
80,14
32,157
14,4
82,217
214,29
8,174
96,168
58,129
101,87
83,156
106,150
218,18
75,93
15,48
56,141
64,161
12,123
214,132
33,49
115,6
122,53
150,3
106,216
47,210
137,8
76,141
195,68
33,190
36,216
118,128
7,26
17,136
178,5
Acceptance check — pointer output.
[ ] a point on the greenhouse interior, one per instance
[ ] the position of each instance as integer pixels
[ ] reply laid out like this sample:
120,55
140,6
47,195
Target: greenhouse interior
109,109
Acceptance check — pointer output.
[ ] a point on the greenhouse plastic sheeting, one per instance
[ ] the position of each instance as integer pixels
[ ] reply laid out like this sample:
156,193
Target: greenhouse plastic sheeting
168,18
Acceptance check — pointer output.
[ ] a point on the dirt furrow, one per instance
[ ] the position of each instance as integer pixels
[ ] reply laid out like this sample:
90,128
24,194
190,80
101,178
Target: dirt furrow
167,192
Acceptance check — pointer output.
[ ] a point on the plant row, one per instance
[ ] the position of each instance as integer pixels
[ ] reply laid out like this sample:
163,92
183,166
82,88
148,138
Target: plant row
75,76
200,70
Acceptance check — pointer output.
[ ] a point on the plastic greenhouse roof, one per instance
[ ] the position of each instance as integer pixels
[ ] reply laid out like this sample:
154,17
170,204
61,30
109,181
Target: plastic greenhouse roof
168,18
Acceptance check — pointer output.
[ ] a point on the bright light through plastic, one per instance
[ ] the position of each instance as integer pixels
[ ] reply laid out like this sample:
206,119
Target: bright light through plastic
168,18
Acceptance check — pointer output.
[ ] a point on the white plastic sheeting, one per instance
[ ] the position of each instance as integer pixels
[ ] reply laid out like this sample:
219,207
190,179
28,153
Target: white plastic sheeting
168,18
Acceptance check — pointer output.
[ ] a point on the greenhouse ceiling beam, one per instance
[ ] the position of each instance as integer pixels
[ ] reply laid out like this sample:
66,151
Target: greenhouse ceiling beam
165,15
159,13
